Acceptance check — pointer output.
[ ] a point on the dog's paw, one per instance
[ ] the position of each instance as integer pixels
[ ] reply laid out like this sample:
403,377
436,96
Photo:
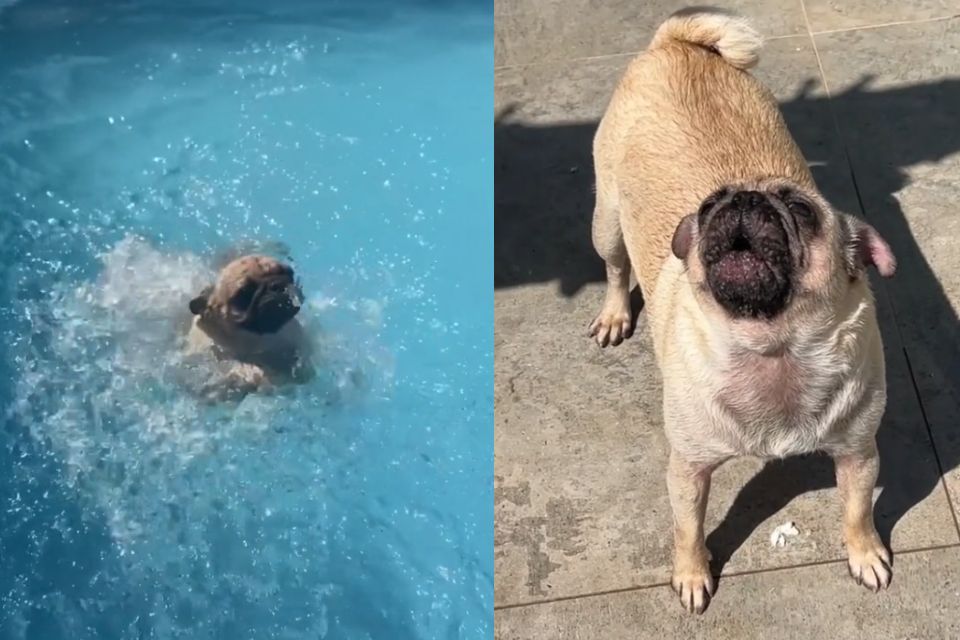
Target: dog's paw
246,375
235,383
694,584
869,562
612,326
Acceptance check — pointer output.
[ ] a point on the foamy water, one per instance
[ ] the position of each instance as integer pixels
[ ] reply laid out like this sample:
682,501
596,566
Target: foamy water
105,397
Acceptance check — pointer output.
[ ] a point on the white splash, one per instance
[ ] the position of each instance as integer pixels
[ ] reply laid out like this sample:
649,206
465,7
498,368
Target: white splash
106,393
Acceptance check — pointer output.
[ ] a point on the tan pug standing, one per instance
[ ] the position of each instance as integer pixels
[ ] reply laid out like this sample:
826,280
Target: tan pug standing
762,317
246,322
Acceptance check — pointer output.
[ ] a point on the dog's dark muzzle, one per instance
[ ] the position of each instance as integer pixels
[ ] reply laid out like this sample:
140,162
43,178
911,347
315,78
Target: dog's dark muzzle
275,302
748,223
747,256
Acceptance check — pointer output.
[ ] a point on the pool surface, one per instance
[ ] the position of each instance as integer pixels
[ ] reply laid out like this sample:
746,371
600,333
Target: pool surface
138,140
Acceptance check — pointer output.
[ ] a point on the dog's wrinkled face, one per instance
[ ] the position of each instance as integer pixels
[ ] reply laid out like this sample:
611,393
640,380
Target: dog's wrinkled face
254,293
755,248
753,245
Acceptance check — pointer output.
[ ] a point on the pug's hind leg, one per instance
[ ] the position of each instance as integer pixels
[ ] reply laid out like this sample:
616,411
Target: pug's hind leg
689,487
868,559
615,322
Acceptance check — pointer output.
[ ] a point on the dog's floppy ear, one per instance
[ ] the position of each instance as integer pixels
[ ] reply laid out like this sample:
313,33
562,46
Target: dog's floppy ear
683,236
865,246
199,304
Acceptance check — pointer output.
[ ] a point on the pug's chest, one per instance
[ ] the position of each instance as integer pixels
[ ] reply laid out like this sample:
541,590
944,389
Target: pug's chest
279,356
781,406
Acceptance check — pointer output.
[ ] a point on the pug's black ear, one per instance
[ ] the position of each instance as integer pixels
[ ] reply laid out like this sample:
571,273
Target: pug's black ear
199,304
683,236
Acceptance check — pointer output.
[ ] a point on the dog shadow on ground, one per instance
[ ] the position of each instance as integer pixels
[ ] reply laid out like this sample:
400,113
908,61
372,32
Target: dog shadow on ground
544,204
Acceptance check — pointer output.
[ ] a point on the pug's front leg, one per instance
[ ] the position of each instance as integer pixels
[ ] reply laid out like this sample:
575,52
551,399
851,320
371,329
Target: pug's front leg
247,376
238,381
689,486
868,559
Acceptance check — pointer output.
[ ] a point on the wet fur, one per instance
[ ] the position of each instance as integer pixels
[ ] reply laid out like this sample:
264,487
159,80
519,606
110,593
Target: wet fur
246,361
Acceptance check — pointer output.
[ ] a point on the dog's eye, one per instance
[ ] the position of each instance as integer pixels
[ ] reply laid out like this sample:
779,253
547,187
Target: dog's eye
800,209
705,209
242,298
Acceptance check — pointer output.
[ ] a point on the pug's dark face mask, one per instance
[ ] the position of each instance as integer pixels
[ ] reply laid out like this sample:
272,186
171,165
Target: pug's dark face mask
266,304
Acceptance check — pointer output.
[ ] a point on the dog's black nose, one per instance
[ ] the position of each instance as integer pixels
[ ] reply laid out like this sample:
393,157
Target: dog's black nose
747,200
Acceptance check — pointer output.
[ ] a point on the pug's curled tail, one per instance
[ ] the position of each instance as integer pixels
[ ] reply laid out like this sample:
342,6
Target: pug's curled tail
726,34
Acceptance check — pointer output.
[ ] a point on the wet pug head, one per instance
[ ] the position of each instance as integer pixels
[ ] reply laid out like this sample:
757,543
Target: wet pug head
757,249
254,293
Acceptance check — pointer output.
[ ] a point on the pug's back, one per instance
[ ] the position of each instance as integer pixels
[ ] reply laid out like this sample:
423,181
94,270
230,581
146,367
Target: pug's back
683,120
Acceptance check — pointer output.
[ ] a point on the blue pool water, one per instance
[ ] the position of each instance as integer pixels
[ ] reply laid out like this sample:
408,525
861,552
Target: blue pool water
138,139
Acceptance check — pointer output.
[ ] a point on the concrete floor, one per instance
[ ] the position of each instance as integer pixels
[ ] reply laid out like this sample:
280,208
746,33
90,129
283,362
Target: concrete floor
871,91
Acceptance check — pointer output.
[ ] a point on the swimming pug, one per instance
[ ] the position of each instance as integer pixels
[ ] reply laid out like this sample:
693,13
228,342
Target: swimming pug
760,309
247,321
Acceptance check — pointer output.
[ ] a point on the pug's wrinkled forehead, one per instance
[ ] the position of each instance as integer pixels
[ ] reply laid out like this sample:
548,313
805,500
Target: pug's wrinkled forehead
254,292
245,269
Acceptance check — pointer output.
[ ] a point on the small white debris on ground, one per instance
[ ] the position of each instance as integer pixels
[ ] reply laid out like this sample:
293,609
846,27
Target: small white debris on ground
779,536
